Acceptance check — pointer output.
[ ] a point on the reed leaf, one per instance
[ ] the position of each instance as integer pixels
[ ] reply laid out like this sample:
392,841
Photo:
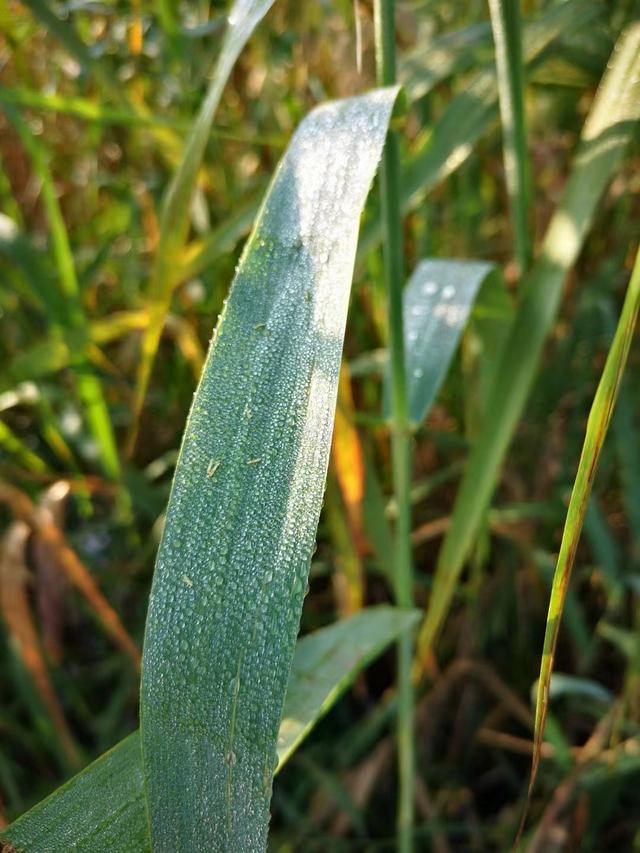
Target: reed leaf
232,567
244,17
103,808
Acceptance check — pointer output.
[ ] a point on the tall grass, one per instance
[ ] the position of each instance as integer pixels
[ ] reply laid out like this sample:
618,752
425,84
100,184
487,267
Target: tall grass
402,569
140,147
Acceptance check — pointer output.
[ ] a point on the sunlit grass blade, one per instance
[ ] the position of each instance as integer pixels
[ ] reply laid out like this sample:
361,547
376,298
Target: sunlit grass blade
232,567
596,432
200,254
507,36
103,807
89,386
437,302
448,144
127,115
605,136
428,65
245,15
344,501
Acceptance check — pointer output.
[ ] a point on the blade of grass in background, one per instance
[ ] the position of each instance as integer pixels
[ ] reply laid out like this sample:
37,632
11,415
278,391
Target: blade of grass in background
103,808
244,17
232,567
448,144
606,133
596,432
11,444
89,386
385,45
437,303
507,36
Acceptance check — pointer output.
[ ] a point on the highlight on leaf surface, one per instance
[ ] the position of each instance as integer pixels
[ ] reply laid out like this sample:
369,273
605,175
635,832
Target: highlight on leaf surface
261,420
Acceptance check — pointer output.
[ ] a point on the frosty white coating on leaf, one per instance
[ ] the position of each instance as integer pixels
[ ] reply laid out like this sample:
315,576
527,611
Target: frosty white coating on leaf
437,302
217,653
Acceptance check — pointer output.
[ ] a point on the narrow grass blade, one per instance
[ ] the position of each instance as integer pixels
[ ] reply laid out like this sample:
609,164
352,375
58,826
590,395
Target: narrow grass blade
89,386
103,807
244,17
507,36
607,131
233,562
202,253
438,300
597,427
428,65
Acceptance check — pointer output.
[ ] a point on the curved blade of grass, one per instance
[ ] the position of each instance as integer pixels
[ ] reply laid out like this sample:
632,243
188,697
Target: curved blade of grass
103,808
233,562
437,302
244,17
597,427
89,386
606,133
470,114
14,446
507,36
428,65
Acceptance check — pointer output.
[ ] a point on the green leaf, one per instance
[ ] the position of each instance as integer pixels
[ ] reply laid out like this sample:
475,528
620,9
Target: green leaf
89,386
507,35
102,808
244,17
605,136
233,563
438,300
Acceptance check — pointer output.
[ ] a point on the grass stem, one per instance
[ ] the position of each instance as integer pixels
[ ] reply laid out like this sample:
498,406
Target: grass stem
400,433
507,35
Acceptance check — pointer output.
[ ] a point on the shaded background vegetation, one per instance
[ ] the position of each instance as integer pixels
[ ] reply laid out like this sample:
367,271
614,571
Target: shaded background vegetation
95,98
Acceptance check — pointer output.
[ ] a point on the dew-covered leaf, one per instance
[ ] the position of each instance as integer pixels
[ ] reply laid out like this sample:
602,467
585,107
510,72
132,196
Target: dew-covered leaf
437,302
102,808
233,563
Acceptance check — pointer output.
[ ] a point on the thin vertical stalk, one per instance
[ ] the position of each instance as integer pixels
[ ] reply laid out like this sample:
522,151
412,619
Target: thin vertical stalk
400,434
507,36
